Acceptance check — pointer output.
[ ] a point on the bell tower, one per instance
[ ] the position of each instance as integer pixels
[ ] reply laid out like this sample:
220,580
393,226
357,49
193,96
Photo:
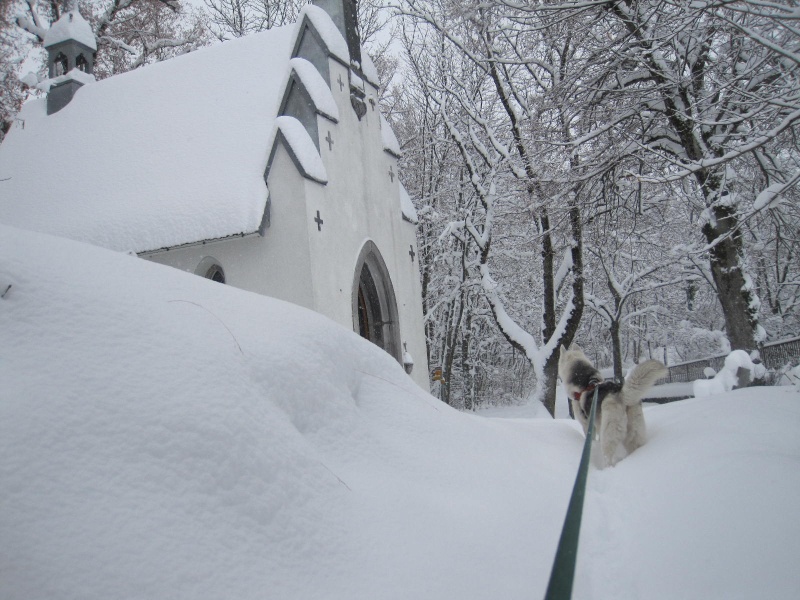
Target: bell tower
71,47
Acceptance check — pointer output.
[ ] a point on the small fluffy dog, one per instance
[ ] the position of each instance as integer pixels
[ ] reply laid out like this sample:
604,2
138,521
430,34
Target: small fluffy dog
619,418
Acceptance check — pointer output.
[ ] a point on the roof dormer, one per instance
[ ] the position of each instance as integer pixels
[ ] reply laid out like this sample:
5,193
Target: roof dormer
344,14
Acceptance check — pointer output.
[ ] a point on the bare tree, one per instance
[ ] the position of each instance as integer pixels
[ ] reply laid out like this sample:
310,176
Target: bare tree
702,89
11,89
237,18
499,109
632,260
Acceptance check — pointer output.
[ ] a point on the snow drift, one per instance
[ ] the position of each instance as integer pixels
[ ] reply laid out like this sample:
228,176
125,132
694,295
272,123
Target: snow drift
164,436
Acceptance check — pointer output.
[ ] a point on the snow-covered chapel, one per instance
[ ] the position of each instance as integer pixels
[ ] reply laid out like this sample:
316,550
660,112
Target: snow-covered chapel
262,162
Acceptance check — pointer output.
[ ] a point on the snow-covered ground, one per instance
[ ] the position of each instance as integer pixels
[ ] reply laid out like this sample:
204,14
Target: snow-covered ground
164,436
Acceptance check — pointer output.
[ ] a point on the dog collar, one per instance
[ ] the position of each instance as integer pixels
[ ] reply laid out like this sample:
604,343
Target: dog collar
588,389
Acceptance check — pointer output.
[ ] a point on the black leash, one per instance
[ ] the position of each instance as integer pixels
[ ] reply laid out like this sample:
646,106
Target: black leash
563,573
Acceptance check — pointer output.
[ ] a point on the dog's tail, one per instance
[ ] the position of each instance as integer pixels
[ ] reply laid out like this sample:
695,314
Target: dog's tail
640,380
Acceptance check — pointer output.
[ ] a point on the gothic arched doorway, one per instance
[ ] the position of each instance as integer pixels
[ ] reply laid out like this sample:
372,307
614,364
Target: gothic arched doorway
374,306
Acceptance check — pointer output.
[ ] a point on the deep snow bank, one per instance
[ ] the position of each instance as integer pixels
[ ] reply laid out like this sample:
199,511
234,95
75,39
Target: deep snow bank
164,436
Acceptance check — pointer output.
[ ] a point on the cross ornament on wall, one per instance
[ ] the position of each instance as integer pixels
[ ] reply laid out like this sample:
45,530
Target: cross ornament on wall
340,82
411,253
329,139
318,220
391,173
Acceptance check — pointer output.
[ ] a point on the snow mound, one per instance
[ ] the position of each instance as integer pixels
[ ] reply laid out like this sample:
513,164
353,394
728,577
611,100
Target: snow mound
728,376
163,436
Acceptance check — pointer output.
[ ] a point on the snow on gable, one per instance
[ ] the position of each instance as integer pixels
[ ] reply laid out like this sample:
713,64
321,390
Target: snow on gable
71,26
316,87
327,30
368,68
390,143
302,148
407,206
169,154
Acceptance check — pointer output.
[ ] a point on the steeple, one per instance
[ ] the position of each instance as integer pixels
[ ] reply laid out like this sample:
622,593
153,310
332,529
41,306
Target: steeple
71,49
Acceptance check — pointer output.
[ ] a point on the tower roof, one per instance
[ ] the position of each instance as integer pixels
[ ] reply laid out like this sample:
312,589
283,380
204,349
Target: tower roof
71,26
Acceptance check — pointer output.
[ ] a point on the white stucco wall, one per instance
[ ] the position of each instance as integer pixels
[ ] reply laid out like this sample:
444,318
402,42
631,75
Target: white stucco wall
362,202
297,262
278,264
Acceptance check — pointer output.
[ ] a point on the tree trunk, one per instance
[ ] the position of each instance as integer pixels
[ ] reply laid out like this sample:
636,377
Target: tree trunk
550,369
549,316
550,383
739,302
616,348
467,374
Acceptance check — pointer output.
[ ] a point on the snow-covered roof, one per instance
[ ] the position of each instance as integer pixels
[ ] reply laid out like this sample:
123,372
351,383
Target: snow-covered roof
390,143
407,206
327,30
302,147
71,26
369,69
319,91
169,154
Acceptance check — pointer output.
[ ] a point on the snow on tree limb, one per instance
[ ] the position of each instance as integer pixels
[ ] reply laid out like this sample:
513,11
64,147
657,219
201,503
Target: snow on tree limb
31,27
117,43
769,195
515,334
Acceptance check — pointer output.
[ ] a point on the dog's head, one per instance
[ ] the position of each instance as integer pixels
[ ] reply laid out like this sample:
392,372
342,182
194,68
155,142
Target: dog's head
575,371
568,358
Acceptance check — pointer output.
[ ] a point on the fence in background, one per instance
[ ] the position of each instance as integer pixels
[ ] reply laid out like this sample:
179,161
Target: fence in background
774,356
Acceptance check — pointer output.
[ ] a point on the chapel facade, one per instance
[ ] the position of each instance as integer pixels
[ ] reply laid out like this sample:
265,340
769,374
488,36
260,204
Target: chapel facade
280,179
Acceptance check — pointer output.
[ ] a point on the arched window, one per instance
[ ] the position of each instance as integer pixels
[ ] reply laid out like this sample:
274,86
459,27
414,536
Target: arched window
80,63
374,306
370,319
215,273
210,268
60,65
